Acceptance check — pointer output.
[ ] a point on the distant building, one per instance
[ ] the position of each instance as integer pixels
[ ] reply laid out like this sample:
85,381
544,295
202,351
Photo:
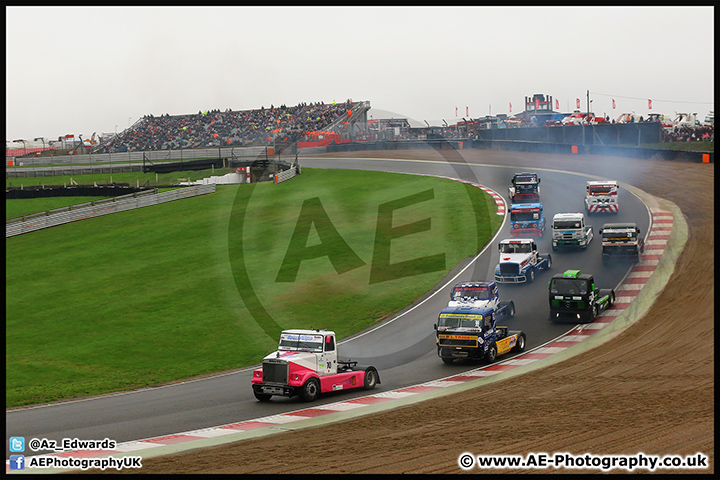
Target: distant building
541,107
388,128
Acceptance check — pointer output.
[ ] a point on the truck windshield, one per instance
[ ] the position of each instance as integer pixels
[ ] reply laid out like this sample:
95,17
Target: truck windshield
596,190
524,216
515,248
300,342
449,320
479,293
616,235
566,224
568,286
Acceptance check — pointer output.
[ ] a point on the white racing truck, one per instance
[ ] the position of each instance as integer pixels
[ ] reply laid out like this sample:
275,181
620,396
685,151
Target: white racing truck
569,230
306,364
601,196
519,261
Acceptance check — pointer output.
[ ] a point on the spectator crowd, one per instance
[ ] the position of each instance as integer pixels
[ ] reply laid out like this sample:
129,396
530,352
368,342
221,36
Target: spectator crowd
229,128
689,134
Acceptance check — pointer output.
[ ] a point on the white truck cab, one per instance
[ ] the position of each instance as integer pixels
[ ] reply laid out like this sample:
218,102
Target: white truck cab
519,261
570,230
601,196
314,348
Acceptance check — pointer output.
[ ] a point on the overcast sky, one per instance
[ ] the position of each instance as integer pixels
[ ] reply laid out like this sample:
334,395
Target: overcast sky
81,70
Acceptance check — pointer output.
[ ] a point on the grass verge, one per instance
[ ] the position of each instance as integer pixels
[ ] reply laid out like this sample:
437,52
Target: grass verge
151,295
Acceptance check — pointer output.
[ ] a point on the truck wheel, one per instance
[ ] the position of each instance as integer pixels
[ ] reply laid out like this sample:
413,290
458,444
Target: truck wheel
263,397
520,345
530,275
511,309
448,360
310,390
491,354
549,263
370,379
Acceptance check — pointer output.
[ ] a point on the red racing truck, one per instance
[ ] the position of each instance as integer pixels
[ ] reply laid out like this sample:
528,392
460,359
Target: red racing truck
306,364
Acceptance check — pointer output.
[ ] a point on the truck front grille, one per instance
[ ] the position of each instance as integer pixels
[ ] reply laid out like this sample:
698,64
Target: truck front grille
572,305
454,341
509,269
275,372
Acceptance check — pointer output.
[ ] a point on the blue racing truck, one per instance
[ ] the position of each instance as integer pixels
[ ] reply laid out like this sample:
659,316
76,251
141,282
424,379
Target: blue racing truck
519,261
467,328
526,219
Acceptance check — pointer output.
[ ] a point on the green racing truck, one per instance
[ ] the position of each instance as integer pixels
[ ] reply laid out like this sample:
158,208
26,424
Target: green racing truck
574,298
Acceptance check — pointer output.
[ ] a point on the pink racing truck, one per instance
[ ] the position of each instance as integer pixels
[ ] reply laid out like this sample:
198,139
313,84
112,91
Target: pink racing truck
306,364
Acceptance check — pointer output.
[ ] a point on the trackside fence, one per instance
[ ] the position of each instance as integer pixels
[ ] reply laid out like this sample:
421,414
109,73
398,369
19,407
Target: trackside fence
286,174
51,218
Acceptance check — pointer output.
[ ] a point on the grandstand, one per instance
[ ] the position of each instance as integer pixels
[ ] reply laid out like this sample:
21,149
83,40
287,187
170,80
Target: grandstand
214,128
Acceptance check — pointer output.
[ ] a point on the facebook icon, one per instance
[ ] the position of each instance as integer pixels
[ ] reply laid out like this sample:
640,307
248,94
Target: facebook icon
17,462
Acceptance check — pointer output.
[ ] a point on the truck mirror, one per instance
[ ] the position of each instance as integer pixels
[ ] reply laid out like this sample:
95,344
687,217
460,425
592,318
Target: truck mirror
435,326
600,231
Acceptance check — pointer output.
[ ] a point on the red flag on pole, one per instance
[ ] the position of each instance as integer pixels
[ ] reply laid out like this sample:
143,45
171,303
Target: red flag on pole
455,112
537,103
557,104
578,102
467,111
511,108
649,104
613,100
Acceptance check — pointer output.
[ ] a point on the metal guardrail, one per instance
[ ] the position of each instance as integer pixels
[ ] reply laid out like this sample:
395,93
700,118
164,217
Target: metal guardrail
53,218
286,174
138,157
67,170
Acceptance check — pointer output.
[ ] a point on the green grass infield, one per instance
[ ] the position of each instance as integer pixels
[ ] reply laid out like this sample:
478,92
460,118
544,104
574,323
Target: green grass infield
202,285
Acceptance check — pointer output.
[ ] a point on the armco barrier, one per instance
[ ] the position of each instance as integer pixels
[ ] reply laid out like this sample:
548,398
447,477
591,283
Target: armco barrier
17,227
286,174
140,156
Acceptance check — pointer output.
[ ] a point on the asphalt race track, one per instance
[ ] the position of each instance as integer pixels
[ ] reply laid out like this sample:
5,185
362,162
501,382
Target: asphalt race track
402,347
